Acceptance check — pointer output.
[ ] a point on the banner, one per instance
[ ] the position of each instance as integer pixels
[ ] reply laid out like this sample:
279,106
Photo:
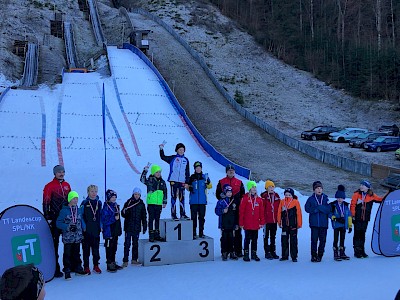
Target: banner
25,238
386,234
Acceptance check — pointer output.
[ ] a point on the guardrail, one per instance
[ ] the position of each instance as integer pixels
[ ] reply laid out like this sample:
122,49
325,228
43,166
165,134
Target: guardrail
31,67
242,171
326,157
70,46
94,17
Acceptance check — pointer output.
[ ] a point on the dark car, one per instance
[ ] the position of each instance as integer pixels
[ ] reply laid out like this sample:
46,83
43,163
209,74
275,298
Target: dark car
389,129
383,143
318,133
363,138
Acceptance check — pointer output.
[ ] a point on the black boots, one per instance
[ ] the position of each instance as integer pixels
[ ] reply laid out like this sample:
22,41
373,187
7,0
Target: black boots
342,254
358,252
233,256
246,255
225,256
254,255
157,236
151,236
336,255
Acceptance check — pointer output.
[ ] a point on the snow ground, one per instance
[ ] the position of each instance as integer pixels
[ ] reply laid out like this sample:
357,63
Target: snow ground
153,120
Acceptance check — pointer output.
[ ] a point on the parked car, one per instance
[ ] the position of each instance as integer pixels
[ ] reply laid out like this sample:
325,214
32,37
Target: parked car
363,138
318,133
389,129
397,153
383,143
346,134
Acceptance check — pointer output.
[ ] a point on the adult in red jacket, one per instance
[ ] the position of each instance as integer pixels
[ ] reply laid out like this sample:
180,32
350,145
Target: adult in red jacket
55,195
271,202
251,219
237,193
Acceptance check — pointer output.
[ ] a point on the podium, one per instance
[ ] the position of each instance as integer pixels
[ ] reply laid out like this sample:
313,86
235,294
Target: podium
179,246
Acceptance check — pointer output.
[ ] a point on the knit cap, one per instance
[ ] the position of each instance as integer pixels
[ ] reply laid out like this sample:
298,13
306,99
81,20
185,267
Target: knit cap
72,195
58,168
366,183
269,183
136,190
251,184
290,191
229,167
316,184
340,193
227,188
197,164
179,145
110,194
155,169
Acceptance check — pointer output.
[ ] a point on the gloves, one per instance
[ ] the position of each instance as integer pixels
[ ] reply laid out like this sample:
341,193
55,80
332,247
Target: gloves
350,230
340,220
333,218
225,210
72,228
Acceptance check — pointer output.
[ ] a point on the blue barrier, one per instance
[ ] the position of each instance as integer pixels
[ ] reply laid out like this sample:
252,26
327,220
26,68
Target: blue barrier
3,94
242,171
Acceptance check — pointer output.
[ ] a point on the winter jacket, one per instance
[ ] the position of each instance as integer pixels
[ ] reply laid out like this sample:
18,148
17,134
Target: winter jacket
361,205
271,205
342,215
55,195
156,189
251,212
134,212
289,214
198,185
111,226
230,219
92,216
65,220
318,209
236,184
178,167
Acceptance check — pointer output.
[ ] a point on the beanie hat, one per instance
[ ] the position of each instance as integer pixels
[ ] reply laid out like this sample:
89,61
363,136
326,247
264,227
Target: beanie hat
72,195
340,193
58,168
227,188
229,167
269,183
290,191
316,184
366,183
21,282
251,184
179,145
109,194
155,169
136,190
197,164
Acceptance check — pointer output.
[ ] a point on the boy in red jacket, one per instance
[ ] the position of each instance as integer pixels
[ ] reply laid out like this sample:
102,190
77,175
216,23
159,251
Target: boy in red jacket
251,219
271,202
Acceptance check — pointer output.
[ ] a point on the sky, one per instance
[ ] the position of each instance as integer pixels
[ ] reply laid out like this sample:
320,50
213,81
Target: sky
63,124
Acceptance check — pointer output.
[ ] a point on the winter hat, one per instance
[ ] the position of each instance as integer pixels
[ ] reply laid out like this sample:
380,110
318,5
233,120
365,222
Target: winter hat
109,194
269,183
72,195
290,191
316,184
229,167
366,183
136,190
179,145
197,164
155,169
340,193
251,184
58,168
21,282
227,188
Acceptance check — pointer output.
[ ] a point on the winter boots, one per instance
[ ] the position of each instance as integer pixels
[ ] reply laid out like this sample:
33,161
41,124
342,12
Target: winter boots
270,252
336,255
314,257
157,236
342,254
111,267
125,264
273,253
68,276
96,269
225,256
254,255
151,236
358,252
246,255
233,256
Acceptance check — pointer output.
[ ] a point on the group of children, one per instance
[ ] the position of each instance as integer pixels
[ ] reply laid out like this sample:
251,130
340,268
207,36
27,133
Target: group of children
268,211
236,210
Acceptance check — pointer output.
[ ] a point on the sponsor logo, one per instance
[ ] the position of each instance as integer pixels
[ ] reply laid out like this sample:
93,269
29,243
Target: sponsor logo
396,228
26,249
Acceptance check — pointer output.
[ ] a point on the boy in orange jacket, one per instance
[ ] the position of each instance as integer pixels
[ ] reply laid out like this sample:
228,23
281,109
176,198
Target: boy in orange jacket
251,219
290,220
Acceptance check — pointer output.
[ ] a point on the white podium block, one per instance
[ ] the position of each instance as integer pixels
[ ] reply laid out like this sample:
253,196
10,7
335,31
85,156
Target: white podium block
172,231
177,252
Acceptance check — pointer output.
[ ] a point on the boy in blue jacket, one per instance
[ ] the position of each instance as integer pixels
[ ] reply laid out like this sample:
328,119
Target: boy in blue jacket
341,221
318,209
91,209
198,185
110,218
227,211
71,223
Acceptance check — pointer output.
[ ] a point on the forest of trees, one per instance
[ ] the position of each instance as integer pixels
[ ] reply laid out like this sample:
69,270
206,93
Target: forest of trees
350,44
